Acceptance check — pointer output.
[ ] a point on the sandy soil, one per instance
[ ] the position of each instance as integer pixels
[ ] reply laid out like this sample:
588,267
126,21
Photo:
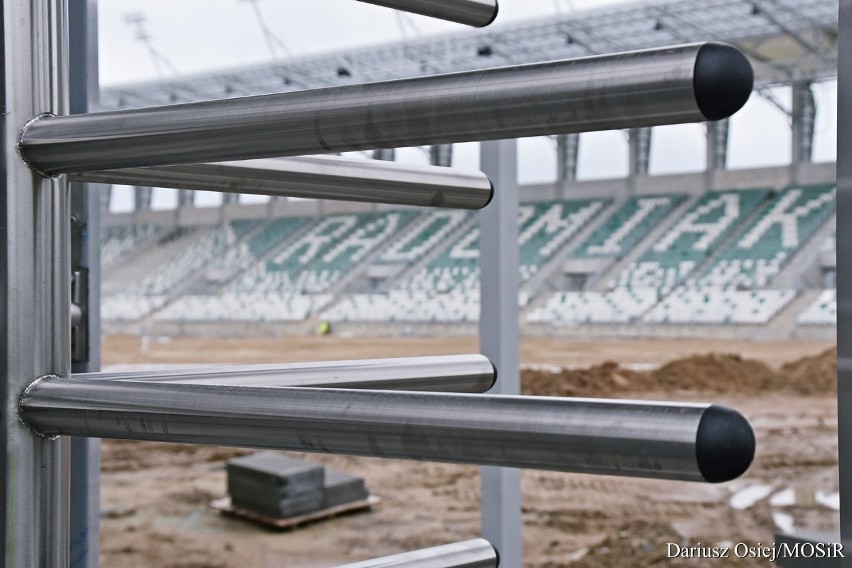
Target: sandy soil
156,496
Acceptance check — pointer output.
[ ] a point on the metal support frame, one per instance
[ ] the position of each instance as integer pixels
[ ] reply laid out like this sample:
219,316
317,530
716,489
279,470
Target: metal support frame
35,269
43,404
84,525
499,335
844,275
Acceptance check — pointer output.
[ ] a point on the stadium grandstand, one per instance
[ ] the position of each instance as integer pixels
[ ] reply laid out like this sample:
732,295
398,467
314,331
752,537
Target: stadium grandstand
717,252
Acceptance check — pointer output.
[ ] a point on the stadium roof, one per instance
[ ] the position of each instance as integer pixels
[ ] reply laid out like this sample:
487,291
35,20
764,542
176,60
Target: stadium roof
787,41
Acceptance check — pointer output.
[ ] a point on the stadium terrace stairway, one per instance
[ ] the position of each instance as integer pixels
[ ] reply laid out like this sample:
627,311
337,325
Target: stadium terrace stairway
711,267
119,243
763,246
168,269
446,289
823,310
294,282
711,264
691,240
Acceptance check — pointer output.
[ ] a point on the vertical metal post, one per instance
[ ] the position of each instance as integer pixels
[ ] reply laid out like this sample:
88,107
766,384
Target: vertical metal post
34,288
85,259
499,336
844,274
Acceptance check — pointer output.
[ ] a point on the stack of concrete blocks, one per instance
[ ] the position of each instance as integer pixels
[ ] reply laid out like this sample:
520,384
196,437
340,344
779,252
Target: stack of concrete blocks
281,487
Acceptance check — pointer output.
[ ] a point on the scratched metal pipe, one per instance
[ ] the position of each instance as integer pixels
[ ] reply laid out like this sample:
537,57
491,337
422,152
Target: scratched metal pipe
694,442
477,13
690,83
476,553
316,177
451,373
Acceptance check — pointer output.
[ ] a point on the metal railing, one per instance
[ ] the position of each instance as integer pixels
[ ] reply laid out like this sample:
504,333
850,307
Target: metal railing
332,407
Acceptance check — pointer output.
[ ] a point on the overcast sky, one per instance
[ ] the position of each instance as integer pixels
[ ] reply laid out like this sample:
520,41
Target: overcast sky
201,35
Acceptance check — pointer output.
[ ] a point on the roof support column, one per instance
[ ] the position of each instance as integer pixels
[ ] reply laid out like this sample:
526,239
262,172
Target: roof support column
639,140
804,117
441,155
142,198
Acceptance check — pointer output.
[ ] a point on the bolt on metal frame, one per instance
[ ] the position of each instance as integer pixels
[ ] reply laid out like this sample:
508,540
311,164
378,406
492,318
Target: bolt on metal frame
43,404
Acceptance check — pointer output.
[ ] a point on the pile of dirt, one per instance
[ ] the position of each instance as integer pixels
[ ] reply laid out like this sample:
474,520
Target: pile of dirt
713,372
815,375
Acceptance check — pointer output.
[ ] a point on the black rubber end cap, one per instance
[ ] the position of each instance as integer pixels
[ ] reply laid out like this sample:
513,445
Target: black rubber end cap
724,445
493,15
493,382
491,195
723,80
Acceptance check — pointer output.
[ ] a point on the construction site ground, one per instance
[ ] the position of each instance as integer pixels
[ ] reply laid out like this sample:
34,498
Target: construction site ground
155,497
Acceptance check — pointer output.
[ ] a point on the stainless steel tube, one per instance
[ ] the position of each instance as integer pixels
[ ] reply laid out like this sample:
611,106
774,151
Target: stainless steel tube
476,13
452,373
323,177
476,553
696,442
644,88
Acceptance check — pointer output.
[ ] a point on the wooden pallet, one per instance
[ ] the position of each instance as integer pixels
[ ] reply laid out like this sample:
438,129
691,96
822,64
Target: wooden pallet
225,507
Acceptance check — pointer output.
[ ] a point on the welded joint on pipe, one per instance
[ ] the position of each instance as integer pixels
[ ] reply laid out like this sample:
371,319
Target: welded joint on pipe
22,415
20,145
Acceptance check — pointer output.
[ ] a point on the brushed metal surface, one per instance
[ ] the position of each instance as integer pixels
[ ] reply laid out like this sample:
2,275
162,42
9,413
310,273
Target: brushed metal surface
476,553
477,13
316,177
625,90
451,373
633,438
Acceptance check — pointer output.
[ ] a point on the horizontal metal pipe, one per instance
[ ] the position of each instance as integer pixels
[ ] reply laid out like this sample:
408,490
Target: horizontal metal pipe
321,177
451,373
695,442
477,13
643,88
476,553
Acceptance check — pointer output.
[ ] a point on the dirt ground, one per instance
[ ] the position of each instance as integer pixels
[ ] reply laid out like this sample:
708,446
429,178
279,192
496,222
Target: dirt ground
155,496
